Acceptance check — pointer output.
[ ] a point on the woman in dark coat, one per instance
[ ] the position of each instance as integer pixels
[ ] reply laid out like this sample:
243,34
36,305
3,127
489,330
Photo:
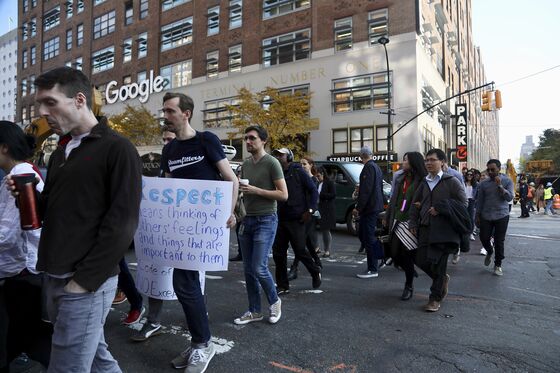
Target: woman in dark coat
403,243
327,196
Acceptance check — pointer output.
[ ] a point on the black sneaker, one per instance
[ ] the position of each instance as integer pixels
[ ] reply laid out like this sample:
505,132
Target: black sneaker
316,280
282,291
147,331
236,258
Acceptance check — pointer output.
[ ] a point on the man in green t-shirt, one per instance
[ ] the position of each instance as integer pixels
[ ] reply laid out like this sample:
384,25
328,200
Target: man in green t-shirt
262,184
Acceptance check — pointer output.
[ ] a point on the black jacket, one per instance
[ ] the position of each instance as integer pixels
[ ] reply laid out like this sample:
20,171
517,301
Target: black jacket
327,207
302,194
454,214
90,207
370,196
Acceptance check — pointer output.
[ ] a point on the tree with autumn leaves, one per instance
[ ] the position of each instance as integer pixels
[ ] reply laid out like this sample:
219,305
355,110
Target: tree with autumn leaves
284,115
138,125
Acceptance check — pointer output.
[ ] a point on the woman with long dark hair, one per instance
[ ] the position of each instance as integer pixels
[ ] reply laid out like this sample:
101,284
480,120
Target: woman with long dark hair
27,332
403,242
471,186
327,210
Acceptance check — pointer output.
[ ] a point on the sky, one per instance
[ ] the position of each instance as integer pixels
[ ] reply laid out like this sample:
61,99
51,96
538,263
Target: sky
517,39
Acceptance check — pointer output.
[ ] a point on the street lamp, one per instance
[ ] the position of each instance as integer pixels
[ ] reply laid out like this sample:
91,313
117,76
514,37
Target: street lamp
384,40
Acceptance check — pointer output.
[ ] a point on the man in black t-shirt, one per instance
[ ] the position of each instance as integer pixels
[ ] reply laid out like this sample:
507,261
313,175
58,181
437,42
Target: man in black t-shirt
193,155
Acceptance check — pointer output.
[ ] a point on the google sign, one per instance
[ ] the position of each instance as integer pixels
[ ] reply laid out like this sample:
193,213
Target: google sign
142,89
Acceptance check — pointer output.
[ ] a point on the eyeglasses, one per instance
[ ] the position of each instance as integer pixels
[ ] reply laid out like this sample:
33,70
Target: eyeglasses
250,137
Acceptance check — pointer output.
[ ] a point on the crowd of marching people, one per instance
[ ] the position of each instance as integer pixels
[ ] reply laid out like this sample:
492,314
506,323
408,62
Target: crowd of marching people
71,267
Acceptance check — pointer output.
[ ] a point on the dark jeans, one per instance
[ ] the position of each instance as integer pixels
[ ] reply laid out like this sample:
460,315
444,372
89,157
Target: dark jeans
291,232
127,285
471,211
366,233
26,332
497,229
524,209
187,288
404,258
437,270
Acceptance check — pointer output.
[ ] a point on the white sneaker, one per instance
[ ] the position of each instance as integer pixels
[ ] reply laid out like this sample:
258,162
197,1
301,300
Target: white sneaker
472,237
483,252
367,274
182,360
498,271
275,312
456,258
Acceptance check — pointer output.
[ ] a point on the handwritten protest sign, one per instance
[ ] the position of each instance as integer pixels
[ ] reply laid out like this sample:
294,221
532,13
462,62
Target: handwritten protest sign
154,280
183,224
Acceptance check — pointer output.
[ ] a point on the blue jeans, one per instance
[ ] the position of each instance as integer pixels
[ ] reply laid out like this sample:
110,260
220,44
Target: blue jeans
187,288
548,207
366,231
78,341
256,237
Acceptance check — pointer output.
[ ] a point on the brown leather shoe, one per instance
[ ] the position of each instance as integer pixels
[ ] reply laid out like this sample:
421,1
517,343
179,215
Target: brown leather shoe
432,306
445,287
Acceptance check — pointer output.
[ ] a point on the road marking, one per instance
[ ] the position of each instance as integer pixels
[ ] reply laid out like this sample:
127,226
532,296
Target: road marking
534,292
311,291
534,237
291,369
210,277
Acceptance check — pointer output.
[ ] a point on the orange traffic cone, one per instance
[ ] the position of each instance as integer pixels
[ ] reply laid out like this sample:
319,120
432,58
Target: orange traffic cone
556,202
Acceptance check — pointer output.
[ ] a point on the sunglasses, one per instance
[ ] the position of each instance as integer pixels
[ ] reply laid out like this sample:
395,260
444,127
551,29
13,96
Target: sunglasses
469,174
250,137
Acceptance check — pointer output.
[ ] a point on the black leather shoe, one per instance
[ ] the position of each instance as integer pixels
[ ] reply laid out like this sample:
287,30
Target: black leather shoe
292,275
407,293
237,258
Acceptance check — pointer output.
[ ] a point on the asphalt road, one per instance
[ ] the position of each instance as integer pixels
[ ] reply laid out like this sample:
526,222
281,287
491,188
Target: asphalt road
487,323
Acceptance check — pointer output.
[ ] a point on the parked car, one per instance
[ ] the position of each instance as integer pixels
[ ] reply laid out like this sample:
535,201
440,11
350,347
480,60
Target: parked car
345,176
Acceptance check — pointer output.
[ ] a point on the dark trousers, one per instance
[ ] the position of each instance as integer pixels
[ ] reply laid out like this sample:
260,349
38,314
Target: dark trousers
187,288
127,285
524,209
310,242
26,331
497,229
291,233
404,258
366,232
435,269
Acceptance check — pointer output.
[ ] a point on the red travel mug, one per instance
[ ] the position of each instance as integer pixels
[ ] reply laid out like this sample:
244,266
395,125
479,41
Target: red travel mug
27,201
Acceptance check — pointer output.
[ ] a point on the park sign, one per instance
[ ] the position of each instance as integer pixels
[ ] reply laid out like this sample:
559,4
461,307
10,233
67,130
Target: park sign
461,129
142,89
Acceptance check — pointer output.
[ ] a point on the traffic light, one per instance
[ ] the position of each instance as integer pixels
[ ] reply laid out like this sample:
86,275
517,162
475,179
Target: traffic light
487,101
498,99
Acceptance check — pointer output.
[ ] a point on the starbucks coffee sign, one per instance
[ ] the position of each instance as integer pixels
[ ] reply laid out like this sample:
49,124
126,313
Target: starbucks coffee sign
142,89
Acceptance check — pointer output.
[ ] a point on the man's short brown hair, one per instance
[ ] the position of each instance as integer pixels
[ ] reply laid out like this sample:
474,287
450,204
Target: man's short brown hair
185,102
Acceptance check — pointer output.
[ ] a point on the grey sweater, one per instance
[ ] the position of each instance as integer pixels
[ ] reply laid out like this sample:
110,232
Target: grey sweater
492,201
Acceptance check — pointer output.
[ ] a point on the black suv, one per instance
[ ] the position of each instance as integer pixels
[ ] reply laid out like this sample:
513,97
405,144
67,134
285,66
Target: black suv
345,176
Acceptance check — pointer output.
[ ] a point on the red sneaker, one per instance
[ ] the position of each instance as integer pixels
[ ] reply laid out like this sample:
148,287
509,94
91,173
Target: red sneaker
134,316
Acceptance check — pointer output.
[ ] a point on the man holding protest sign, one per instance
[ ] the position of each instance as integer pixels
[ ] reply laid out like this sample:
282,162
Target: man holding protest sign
262,184
193,155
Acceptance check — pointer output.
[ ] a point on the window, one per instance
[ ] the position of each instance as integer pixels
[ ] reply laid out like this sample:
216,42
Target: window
381,133
217,115
51,48
340,141
235,13
142,45
177,33
24,87
213,20
78,63
141,76
24,114
31,85
168,4
25,5
143,9
102,60
127,79
128,13
377,25
212,64
33,26
301,90
32,55
343,34
32,109
80,35
273,8
97,2
68,39
177,75
127,50
80,6
364,92
24,35
24,59
286,48
68,63
104,25
69,8
234,59
51,18
33,3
